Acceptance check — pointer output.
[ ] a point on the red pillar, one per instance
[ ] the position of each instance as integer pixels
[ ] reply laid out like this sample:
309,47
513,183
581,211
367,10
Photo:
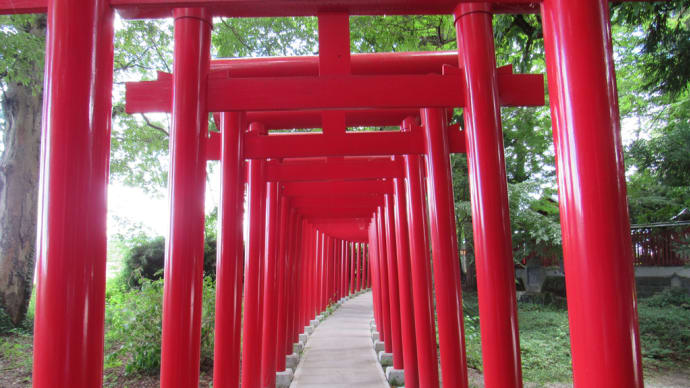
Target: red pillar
344,266
342,260
314,257
338,269
420,268
353,260
489,194
332,255
407,319
445,254
357,255
184,259
326,266
283,301
269,347
226,372
251,327
343,269
375,290
393,284
366,281
321,276
75,150
382,269
313,248
325,271
294,287
597,248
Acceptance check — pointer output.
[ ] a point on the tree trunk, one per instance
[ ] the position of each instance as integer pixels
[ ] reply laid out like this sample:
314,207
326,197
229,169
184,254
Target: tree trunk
18,197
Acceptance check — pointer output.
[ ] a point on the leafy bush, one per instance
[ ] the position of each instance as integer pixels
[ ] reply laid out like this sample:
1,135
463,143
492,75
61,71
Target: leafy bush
145,260
665,328
134,326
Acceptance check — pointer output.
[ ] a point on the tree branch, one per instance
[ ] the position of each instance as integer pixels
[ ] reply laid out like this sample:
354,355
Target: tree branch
154,126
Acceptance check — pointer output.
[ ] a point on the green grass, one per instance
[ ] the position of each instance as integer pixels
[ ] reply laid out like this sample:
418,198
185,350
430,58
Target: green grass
133,335
545,340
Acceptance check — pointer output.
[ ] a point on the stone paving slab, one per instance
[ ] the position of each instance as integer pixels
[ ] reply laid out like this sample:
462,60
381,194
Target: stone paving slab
340,354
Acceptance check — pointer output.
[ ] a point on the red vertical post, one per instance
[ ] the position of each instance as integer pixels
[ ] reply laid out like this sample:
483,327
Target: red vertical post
420,268
338,284
445,254
317,273
326,265
353,267
393,284
375,291
75,151
343,268
366,260
597,247
323,279
382,269
293,285
407,319
226,372
357,254
251,327
346,257
302,276
269,337
335,254
325,244
282,301
184,259
489,194
366,279
332,270
290,287
314,257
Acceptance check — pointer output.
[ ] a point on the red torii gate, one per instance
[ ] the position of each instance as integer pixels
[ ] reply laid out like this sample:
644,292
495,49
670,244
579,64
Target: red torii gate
71,262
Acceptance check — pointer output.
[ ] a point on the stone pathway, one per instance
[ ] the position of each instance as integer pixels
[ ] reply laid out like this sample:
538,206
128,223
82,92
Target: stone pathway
339,354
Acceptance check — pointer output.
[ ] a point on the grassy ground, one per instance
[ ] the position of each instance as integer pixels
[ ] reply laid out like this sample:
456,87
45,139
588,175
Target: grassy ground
545,340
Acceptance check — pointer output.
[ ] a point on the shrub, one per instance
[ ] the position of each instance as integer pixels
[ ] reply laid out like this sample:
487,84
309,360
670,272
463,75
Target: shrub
134,326
665,328
145,260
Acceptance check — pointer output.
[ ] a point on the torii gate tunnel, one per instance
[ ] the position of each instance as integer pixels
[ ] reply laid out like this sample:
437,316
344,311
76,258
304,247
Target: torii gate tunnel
334,212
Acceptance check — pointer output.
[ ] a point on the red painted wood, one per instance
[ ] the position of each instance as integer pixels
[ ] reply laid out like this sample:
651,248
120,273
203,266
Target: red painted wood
251,328
226,368
445,255
184,259
336,92
489,198
407,318
361,64
270,273
597,247
336,188
72,239
333,169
